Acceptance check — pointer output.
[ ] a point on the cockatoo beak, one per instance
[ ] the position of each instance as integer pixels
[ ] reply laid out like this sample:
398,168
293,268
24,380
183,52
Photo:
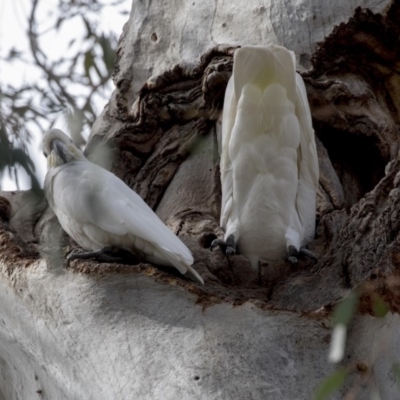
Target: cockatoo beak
62,153
61,150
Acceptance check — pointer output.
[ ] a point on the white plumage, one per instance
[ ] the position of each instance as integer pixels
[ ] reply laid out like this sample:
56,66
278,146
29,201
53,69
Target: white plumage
98,210
269,165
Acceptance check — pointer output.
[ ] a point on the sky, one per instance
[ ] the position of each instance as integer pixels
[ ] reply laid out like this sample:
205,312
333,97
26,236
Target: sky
13,27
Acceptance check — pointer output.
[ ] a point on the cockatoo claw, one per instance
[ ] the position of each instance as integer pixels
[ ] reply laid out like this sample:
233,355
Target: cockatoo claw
99,255
293,260
230,251
228,247
293,254
308,254
218,243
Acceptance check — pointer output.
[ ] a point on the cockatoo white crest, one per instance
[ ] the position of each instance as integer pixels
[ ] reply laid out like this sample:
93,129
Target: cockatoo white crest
98,210
269,165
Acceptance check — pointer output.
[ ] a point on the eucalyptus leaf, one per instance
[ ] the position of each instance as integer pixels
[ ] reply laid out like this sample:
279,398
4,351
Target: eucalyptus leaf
59,85
345,309
379,306
108,52
331,384
88,62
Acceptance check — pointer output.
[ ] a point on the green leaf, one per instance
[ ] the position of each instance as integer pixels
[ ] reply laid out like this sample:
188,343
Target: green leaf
13,54
60,20
330,384
396,371
21,110
88,62
88,28
379,306
96,68
346,309
71,42
108,52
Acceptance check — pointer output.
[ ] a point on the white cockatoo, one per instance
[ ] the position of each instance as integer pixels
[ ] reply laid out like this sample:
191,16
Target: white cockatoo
98,210
269,165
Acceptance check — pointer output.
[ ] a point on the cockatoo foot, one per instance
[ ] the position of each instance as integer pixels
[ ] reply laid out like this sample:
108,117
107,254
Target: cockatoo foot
99,255
228,247
308,253
293,254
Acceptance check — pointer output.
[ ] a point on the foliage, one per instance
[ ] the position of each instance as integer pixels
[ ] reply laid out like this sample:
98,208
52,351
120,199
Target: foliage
345,309
379,306
330,384
68,87
343,315
12,156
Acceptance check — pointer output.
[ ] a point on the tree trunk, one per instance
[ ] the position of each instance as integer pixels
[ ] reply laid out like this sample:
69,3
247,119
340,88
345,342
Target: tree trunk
104,331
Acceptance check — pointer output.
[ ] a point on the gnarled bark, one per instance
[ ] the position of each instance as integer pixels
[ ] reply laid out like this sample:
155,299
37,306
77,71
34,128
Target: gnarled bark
168,150
163,139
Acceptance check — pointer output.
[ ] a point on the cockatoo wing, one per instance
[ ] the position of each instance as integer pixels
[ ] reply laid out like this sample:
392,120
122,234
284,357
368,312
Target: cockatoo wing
228,121
100,199
307,164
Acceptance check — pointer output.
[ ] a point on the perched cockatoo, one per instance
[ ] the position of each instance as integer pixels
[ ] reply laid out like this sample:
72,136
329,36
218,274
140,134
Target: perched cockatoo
98,210
269,165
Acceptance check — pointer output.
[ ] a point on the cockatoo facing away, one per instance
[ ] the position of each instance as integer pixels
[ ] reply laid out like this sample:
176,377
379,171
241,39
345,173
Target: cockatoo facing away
269,165
98,210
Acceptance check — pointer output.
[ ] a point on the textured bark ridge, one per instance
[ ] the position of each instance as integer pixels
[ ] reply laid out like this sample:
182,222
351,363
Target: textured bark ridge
165,146
354,90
